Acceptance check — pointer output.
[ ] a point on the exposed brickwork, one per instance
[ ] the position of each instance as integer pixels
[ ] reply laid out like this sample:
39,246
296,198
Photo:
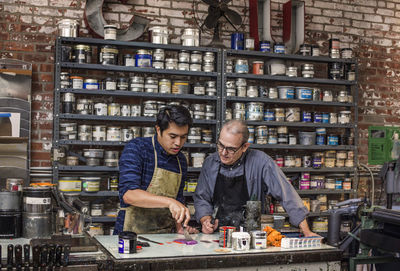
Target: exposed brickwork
372,28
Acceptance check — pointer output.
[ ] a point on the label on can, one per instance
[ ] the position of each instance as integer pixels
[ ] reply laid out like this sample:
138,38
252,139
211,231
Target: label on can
317,117
34,200
306,116
320,140
124,246
265,46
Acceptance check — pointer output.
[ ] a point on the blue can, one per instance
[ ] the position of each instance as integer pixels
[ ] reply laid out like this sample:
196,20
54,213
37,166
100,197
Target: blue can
290,93
325,117
269,115
279,48
143,59
320,131
304,93
333,140
320,139
237,41
338,184
306,116
317,117
265,46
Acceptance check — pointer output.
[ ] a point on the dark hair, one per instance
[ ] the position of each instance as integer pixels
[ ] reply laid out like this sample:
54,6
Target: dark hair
178,114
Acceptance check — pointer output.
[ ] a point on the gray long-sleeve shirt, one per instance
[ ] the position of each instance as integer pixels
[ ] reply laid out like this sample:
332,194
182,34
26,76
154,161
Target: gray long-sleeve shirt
263,177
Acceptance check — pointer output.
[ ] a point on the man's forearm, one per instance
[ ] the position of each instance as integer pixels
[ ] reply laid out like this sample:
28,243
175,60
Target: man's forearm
304,227
144,199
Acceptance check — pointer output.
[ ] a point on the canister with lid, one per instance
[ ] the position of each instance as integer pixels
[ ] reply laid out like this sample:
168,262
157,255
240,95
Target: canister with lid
90,83
81,53
307,70
150,108
125,110
108,55
85,132
252,91
126,134
164,85
111,158
286,92
122,83
90,184
68,103
136,83
114,133
254,111
171,63
129,60
292,114
291,71
194,136
114,109
109,83
97,209
344,117
110,32
241,66
84,106
136,110
258,67
151,85
143,59
76,82
180,87
99,132
158,54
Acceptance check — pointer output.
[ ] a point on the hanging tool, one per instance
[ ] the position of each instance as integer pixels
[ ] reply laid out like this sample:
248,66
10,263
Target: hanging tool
26,256
148,240
36,257
67,250
10,252
18,257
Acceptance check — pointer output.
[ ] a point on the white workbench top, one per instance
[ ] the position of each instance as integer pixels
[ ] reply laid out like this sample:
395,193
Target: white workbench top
172,249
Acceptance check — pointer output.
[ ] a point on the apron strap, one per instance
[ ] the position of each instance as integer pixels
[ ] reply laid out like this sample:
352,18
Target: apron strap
155,158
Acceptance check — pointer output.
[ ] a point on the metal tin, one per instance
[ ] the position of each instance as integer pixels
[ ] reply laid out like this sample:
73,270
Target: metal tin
143,59
159,34
90,83
122,83
136,110
125,110
114,133
111,157
110,84
258,67
197,159
90,184
252,91
208,58
180,87
158,55
194,136
291,71
136,131
183,66
316,94
112,184
307,70
315,50
333,140
114,109
292,114
194,67
344,117
258,239
289,161
99,133
72,161
334,47
136,83
317,117
127,242
208,67
228,114
129,60
77,82
272,93
241,66
151,85
279,48
306,161
110,32
196,57
239,114
171,63
184,56
305,49
14,184
190,37
126,135
241,91
304,93
164,86
225,236
329,162
317,182
325,117
69,184
97,209
346,53
317,160
265,46
68,28
81,53
286,92
306,116
343,96
199,89
335,70
254,111
320,139
279,114
84,106
229,66
158,64
85,132
148,131
108,55
327,96
249,44
304,184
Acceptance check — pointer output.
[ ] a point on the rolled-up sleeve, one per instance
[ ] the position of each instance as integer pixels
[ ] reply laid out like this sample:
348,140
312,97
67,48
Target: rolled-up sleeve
280,188
203,195
130,168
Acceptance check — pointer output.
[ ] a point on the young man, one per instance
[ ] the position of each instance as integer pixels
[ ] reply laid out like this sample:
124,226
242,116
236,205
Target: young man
152,177
234,174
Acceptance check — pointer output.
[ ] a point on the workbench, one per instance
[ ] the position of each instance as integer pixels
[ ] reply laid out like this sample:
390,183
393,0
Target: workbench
175,256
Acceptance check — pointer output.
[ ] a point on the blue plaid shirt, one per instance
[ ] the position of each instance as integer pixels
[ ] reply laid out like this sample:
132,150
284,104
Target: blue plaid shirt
136,168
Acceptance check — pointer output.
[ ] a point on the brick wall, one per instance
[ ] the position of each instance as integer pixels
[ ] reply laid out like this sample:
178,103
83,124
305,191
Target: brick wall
372,28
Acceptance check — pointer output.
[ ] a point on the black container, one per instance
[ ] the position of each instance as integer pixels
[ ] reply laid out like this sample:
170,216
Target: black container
81,54
66,51
108,55
68,107
335,71
122,83
10,224
127,242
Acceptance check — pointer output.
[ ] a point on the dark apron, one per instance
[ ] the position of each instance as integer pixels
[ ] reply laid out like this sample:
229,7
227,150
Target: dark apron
230,196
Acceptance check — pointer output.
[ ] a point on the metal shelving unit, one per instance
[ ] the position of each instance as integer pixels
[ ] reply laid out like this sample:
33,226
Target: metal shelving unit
319,106
77,68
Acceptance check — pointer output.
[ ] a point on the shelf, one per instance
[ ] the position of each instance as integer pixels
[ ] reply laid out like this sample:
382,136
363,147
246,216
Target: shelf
88,168
120,143
139,94
135,44
123,119
302,192
13,140
310,214
291,101
299,124
101,219
96,194
312,170
290,79
302,147
259,54
105,169
118,68
324,191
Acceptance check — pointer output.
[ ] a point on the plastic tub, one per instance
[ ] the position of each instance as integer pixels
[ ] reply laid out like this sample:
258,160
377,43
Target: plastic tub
307,138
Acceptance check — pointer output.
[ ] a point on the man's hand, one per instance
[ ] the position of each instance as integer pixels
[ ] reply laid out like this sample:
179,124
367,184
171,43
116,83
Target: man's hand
310,234
306,230
206,226
191,230
179,212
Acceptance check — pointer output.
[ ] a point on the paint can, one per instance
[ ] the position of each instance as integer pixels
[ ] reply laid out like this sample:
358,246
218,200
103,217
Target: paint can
241,66
143,59
241,241
254,111
265,46
237,41
225,236
99,133
258,67
258,239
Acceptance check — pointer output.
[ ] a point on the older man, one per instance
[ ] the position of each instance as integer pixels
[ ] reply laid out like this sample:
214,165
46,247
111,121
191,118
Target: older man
234,174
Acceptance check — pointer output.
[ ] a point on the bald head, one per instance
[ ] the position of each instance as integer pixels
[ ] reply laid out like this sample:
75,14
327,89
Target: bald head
237,127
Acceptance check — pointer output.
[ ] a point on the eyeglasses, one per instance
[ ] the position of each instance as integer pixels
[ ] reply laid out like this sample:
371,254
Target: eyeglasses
230,150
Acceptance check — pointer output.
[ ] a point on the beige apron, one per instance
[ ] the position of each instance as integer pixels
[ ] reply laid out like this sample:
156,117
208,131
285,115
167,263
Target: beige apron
155,220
